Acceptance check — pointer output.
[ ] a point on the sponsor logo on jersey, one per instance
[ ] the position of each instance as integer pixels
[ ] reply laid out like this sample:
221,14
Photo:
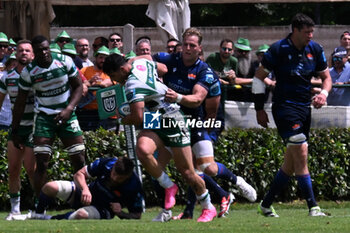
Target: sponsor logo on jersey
296,126
309,56
191,76
141,67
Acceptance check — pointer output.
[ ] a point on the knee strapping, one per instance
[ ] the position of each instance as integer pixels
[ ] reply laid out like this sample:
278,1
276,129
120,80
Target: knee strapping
43,149
90,211
203,166
65,189
297,139
203,148
75,149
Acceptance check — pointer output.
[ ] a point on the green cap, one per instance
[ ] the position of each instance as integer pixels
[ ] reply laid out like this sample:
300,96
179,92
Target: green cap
130,54
262,48
55,48
12,42
3,37
243,44
13,55
102,50
115,50
63,34
69,48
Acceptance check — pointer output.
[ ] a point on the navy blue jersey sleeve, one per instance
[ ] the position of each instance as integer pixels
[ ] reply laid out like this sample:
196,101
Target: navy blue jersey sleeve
162,57
206,76
270,57
321,60
101,167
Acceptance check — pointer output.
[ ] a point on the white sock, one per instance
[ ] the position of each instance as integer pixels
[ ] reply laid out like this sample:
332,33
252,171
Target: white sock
15,204
204,200
165,181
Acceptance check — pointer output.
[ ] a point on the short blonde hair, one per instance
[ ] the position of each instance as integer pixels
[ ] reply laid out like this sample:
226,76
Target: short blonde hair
193,32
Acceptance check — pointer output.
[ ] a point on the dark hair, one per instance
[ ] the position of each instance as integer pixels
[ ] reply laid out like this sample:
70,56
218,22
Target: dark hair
344,33
226,41
172,39
113,63
300,20
24,42
115,33
123,166
104,40
38,40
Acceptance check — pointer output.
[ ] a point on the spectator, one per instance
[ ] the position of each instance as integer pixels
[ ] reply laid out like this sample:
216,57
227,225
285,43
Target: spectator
345,42
12,47
82,47
245,70
88,114
115,186
55,48
340,74
4,44
69,50
57,92
143,46
171,44
269,80
99,42
178,48
115,41
223,63
17,157
63,38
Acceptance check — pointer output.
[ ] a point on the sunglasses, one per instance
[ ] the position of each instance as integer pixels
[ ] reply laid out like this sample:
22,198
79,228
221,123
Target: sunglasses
337,58
62,40
224,49
115,40
3,46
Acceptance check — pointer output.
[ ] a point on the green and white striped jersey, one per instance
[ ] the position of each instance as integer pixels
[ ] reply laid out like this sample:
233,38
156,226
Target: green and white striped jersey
50,85
9,85
143,85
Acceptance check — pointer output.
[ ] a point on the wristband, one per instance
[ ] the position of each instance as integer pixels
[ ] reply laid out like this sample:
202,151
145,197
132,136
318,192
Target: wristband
179,98
325,92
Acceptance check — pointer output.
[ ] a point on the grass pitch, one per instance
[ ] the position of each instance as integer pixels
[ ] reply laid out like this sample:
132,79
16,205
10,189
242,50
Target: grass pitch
242,218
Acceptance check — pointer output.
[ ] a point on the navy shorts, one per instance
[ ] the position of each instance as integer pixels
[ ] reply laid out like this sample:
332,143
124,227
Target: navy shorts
291,119
199,134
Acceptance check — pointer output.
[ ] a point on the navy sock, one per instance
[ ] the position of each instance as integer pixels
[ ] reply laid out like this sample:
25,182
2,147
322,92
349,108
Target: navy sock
214,187
191,201
62,216
304,183
159,191
44,202
280,181
226,174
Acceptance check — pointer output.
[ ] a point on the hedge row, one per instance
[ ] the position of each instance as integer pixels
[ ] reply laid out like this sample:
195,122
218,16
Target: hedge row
255,154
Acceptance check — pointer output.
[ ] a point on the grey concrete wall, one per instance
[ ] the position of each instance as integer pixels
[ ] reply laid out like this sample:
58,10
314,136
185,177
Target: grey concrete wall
328,36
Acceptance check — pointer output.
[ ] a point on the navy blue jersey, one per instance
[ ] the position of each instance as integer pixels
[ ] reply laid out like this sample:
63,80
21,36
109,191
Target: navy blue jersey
129,194
182,79
294,69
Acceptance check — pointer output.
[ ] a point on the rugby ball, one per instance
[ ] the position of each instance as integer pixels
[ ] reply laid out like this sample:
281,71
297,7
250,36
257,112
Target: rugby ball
124,109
